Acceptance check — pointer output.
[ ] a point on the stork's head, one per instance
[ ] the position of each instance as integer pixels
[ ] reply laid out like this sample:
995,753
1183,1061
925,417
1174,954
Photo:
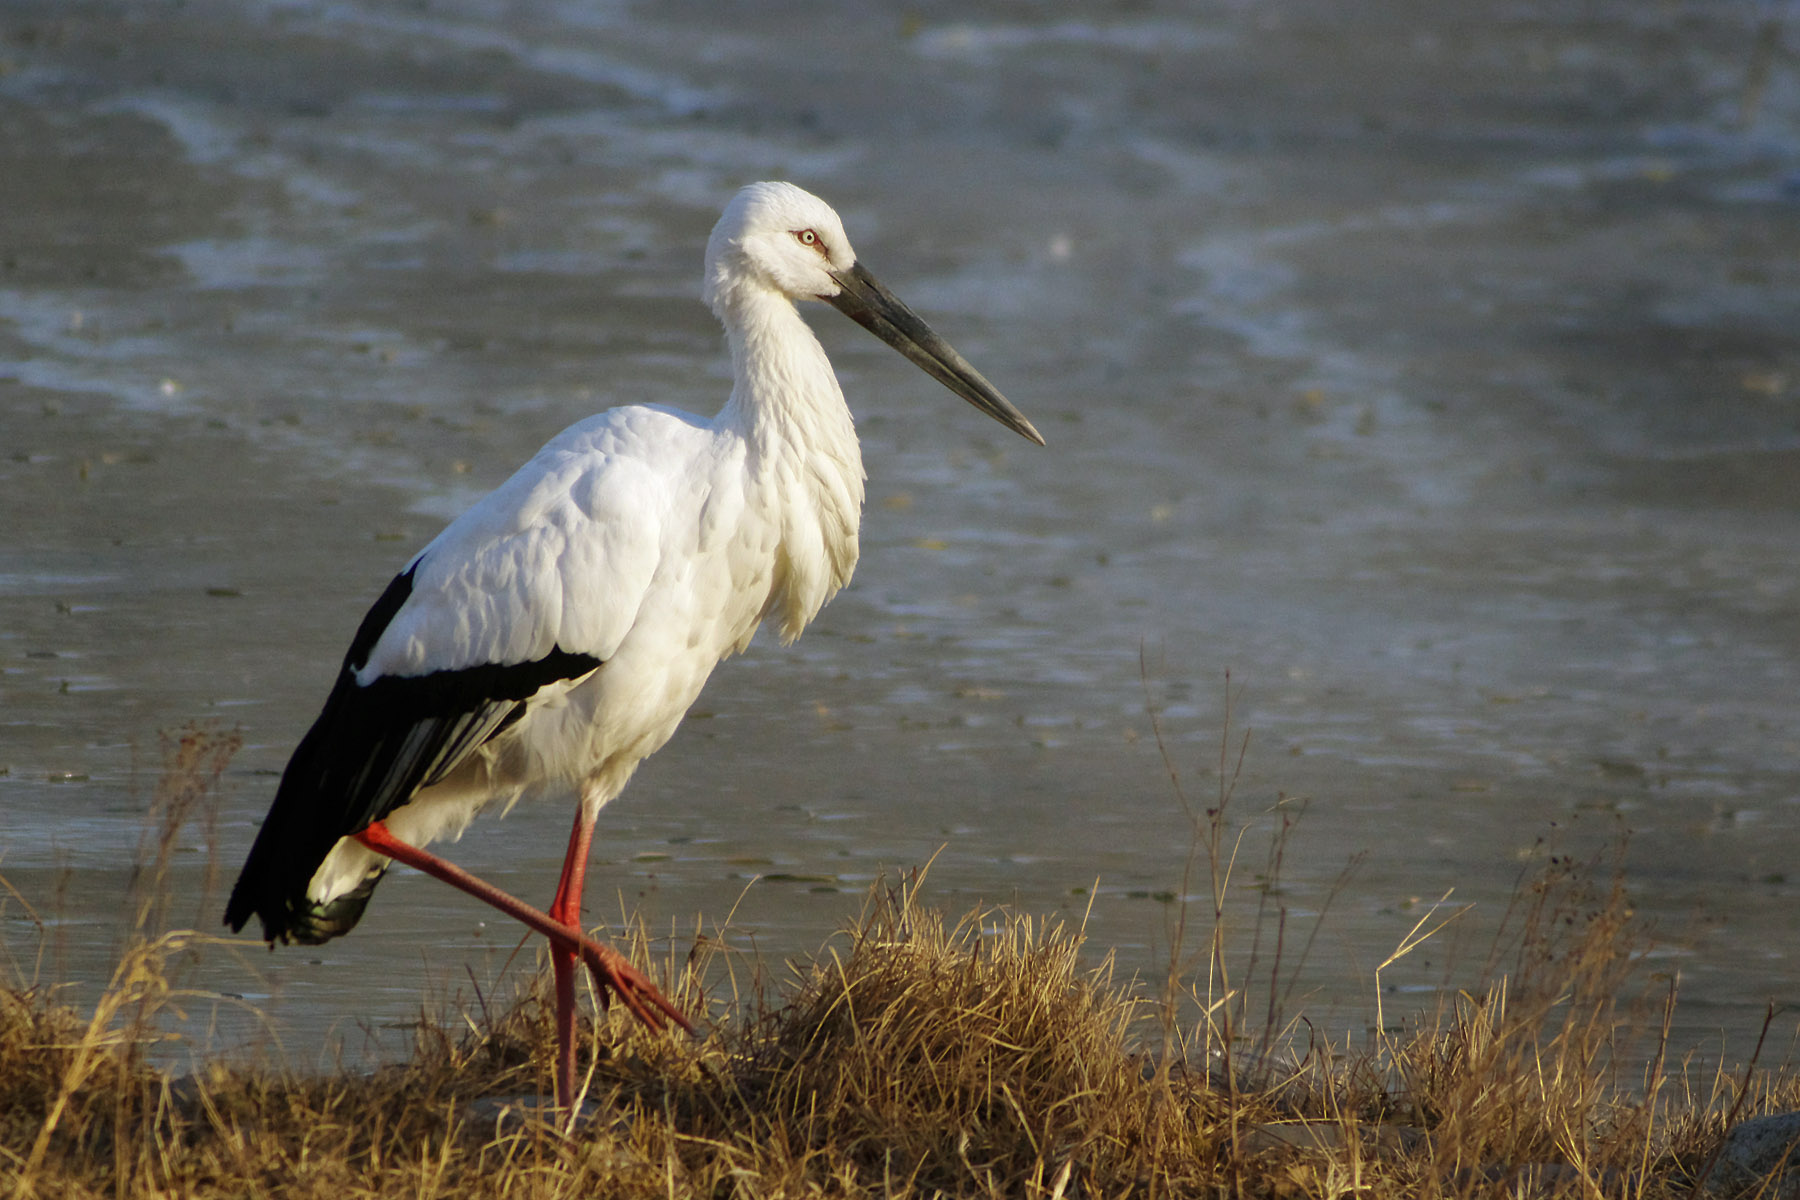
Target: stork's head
775,237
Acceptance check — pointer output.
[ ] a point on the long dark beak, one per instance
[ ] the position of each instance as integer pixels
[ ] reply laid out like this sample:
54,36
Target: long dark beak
865,301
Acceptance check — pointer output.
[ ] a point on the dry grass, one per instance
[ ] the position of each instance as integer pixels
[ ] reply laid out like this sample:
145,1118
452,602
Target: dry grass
913,1056
914,1059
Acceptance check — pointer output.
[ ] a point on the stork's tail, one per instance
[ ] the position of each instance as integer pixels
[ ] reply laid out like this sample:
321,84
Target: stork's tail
310,923
287,917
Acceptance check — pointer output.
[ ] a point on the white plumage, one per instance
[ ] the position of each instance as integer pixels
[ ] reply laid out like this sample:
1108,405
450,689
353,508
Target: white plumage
556,632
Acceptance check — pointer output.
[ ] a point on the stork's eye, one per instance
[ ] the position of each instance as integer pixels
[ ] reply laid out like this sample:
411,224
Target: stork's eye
809,238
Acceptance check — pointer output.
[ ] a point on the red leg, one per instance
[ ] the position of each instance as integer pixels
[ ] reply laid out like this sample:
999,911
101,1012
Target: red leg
566,910
609,968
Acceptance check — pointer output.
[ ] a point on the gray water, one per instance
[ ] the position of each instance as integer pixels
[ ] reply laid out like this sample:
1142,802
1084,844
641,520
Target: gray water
1434,371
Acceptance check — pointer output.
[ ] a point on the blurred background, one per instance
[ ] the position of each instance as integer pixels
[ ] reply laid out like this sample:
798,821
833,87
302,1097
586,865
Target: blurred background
1422,385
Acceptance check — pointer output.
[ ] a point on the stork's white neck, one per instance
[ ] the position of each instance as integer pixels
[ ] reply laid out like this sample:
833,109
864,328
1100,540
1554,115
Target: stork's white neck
787,406
783,385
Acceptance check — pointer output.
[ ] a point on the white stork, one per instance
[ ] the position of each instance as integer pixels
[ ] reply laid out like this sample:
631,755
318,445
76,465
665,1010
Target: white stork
555,633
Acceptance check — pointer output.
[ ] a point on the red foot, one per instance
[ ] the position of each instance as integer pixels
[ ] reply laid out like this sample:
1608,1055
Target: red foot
612,971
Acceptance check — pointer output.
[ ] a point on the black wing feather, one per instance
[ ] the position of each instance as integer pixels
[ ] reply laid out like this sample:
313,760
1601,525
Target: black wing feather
370,750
